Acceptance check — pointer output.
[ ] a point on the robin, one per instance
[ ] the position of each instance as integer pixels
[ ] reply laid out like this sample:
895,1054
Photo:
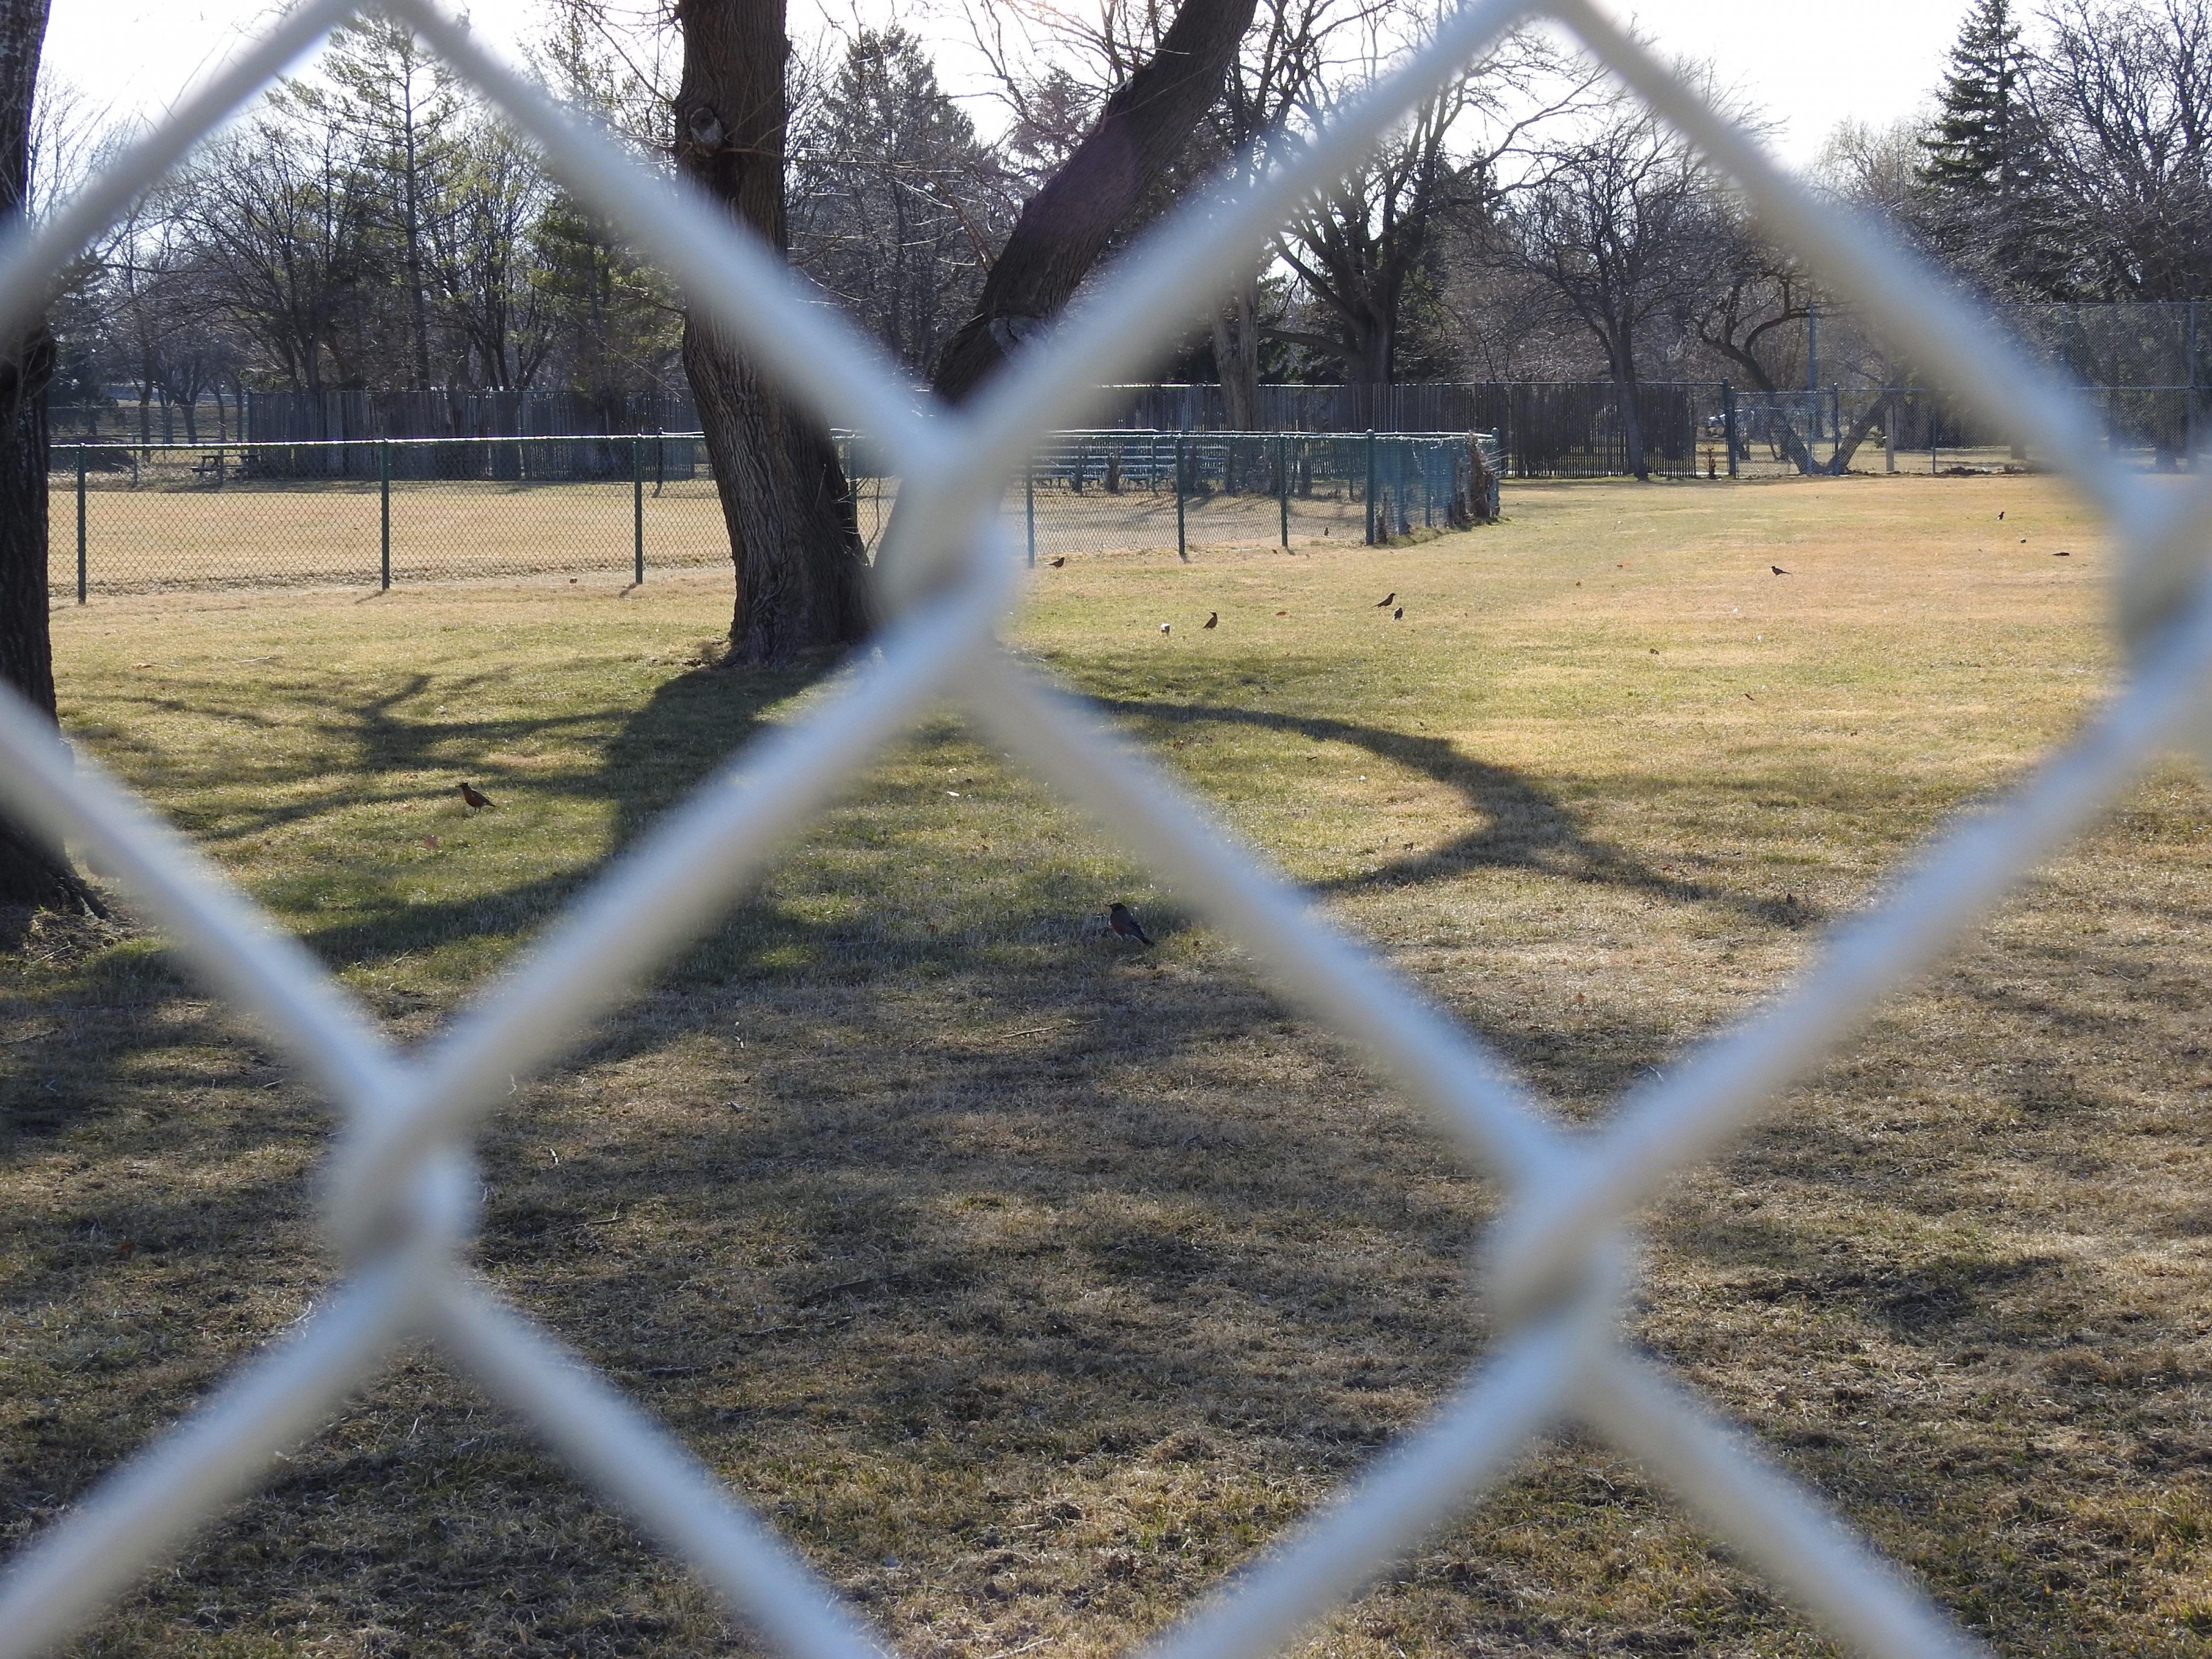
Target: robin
1058,561
1777,570
1399,615
1212,619
2001,516
474,798
1386,601
1124,921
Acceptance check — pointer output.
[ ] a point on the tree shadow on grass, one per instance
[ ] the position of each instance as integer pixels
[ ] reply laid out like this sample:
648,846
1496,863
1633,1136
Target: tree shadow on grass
1518,826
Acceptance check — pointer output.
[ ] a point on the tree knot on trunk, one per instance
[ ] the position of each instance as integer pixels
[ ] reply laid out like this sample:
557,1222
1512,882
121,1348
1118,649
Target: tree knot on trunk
704,129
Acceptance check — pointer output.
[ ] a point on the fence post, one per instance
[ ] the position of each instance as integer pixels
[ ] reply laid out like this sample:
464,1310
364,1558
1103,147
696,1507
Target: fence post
637,504
1371,487
1728,423
1029,506
1283,485
1182,540
1835,424
80,524
2188,350
384,504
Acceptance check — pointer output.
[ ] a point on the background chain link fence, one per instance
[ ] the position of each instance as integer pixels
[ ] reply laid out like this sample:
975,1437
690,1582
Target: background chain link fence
144,518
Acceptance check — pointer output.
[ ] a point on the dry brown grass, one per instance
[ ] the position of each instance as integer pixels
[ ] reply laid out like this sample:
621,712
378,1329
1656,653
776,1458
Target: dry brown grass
1028,1283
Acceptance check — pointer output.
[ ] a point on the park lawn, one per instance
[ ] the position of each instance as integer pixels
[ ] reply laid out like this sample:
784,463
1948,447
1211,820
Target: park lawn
1028,1281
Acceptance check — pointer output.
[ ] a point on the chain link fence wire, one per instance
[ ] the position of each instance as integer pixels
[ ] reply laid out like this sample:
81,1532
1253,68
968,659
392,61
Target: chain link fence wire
381,512
400,1199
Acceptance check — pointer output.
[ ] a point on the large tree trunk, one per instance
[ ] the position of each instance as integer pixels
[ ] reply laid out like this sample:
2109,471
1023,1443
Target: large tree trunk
29,872
1631,423
1065,227
801,566
1236,355
1847,444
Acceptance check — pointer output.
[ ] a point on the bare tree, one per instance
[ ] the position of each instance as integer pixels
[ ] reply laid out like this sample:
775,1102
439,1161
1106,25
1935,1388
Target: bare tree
897,206
1363,245
399,111
1142,130
1273,85
480,257
2121,96
1616,226
278,218
30,874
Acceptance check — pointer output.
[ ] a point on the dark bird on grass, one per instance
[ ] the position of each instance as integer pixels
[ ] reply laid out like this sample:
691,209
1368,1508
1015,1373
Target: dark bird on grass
1058,561
474,798
2001,516
1123,920
1386,602
1777,570
1212,618
1399,615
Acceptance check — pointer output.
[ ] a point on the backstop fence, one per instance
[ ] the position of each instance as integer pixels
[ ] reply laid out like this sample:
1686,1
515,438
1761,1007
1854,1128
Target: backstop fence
387,511
401,1198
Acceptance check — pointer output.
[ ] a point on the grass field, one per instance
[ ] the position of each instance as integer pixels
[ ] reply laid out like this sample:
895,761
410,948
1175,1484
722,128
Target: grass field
1030,1282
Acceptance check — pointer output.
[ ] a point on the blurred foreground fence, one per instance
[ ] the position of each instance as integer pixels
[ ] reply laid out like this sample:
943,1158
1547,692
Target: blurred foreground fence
402,1199
395,510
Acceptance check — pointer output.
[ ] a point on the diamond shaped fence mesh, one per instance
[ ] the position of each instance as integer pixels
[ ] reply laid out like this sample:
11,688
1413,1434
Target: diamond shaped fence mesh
398,1198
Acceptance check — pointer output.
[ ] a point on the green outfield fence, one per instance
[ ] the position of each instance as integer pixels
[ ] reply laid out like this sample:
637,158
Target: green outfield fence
385,511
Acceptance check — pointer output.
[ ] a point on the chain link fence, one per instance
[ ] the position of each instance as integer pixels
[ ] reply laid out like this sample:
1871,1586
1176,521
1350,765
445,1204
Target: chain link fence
392,511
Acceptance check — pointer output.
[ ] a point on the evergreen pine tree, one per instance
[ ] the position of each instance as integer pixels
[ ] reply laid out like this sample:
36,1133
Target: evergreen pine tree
1981,169
1972,149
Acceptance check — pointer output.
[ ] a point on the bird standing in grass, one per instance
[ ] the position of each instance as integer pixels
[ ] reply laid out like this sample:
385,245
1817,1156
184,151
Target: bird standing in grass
1123,921
1777,570
474,798
1212,619
1058,561
1399,615
1386,601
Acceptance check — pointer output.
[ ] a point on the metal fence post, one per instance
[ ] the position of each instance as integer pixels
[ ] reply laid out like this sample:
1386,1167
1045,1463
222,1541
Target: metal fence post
637,504
2189,412
384,502
1182,539
1029,506
1283,485
1728,423
80,524
1371,488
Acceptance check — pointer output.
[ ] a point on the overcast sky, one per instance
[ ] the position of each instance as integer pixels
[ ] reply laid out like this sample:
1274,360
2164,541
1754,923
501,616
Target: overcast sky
1809,66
